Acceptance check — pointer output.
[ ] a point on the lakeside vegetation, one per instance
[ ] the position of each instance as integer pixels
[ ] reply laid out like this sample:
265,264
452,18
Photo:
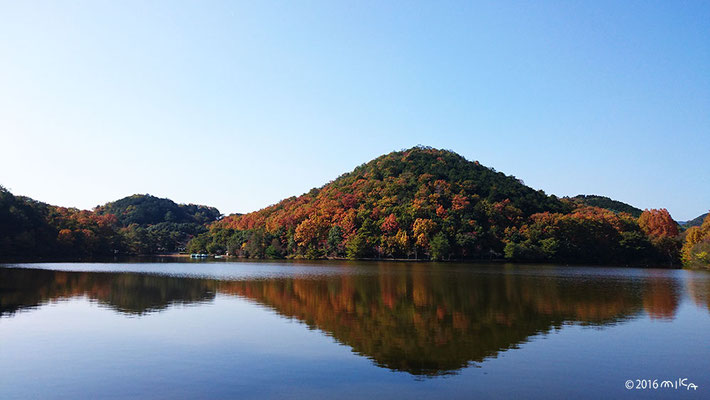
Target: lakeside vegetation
138,224
696,247
425,203
420,204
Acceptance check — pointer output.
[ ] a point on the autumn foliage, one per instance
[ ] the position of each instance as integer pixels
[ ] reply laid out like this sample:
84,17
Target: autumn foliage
421,203
139,224
696,247
392,207
426,203
658,224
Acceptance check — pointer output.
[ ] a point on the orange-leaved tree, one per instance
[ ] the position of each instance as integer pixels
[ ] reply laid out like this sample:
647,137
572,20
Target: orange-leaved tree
662,230
658,223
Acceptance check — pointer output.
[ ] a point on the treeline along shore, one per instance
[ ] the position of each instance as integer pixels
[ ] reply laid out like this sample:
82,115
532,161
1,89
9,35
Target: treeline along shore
417,204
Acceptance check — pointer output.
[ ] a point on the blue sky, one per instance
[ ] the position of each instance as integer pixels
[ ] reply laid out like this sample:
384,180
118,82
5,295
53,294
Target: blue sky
240,104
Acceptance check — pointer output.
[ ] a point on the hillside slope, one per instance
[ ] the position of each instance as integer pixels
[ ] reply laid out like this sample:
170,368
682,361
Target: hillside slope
139,224
24,226
411,203
425,203
144,209
150,225
697,221
607,203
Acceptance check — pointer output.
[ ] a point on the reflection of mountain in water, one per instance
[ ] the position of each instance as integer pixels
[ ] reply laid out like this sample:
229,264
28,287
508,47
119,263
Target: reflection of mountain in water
126,292
421,320
428,322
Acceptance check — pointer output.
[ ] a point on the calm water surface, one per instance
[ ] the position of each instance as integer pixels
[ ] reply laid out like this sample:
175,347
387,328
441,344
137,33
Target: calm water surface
349,330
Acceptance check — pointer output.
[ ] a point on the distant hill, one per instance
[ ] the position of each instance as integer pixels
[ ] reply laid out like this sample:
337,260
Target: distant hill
607,203
152,225
144,209
419,203
139,224
694,222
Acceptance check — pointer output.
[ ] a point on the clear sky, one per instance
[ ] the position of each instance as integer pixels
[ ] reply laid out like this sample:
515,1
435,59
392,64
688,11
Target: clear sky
240,104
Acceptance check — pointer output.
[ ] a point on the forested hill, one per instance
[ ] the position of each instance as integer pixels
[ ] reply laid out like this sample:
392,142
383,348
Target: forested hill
425,203
150,225
411,183
420,203
607,203
392,206
695,221
139,224
144,209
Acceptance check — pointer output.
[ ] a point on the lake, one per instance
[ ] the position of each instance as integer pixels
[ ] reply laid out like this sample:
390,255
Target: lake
173,330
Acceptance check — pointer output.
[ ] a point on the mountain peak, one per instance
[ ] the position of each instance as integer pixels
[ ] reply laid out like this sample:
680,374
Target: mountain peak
404,192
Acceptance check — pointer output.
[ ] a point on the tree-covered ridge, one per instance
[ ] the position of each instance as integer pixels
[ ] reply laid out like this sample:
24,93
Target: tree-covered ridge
144,209
144,225
426,203
421,202
151,225
24,226
697,221
607,203
414,183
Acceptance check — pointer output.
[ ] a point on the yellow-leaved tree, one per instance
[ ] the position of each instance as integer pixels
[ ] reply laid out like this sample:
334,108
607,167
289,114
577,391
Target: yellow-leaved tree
696,248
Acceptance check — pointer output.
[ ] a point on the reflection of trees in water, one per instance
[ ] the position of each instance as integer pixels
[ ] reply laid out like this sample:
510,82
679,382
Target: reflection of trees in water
661,297
429,322
127,293
699,289
422,320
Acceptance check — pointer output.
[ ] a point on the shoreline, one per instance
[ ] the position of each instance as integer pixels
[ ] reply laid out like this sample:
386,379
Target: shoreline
184,257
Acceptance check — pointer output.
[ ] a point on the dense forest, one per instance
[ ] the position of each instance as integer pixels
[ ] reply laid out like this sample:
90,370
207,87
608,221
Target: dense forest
150,225
139,224
607,203
425,203
417,204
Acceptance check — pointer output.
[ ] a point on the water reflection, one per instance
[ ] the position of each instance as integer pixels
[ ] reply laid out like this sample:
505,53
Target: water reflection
699,288
125,292
425,321
661,297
